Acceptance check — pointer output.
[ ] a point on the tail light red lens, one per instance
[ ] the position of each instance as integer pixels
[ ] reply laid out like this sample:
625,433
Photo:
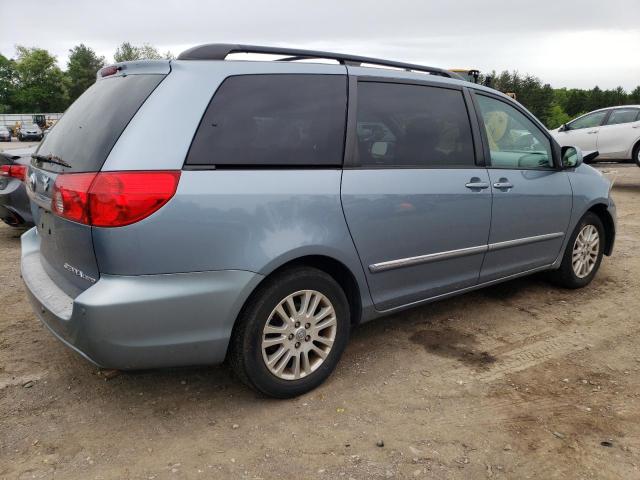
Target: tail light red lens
70,197
112,199
13,171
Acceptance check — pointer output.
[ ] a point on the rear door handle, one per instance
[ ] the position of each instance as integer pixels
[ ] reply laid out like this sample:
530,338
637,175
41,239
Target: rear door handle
503,185
480,185
592,131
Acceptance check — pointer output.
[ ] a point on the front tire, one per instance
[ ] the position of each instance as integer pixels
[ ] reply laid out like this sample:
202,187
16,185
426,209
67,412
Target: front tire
636,154
583,254
291,333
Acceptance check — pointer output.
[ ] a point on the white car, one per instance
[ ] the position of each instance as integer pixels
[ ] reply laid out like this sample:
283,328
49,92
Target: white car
614,132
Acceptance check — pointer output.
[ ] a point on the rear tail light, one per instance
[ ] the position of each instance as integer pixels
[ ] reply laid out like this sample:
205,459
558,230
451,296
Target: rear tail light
13,171
112,199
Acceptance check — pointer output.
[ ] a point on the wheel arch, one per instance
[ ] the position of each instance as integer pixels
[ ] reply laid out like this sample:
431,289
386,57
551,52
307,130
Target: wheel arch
635,148
601,210
337,269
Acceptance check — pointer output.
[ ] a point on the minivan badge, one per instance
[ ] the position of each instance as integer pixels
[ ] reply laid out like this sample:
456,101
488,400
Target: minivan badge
79,273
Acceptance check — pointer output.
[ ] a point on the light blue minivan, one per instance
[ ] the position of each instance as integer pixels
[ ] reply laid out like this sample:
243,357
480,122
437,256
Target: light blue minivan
202,209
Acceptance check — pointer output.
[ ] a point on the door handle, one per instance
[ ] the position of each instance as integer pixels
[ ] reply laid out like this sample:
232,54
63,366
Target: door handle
592,132
480,185
503,184
636,126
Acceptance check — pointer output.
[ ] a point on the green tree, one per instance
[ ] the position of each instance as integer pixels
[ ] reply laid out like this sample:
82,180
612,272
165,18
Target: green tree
40,84
557,116
147,52
82,67
577,101
127,52
634,97
7,84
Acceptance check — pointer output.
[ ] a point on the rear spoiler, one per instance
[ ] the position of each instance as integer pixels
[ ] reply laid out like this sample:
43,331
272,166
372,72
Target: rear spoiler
136,67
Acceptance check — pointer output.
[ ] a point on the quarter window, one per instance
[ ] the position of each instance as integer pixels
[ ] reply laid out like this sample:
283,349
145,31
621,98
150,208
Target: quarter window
401,125
626,115
514,140
588,121
273,120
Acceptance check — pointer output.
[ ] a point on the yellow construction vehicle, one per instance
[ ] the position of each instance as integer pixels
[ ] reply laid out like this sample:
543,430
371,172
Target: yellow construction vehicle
466,74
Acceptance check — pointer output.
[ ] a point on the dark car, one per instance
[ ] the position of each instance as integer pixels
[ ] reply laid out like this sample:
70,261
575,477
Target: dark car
14,202
5,134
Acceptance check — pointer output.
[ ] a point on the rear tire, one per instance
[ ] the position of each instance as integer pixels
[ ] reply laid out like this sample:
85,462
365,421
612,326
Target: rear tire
582,255
291,333
636,154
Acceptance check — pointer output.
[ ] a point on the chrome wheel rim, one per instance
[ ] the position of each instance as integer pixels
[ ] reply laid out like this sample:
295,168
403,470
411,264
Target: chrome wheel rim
299,335
585,251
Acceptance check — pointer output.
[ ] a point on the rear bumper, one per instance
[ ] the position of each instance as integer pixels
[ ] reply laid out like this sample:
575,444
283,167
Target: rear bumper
144,321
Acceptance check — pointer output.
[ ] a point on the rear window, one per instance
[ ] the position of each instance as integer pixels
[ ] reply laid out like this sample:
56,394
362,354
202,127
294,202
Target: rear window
86,133
273,120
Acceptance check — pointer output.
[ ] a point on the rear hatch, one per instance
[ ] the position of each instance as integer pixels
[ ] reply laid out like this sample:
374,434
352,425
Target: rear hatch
79,144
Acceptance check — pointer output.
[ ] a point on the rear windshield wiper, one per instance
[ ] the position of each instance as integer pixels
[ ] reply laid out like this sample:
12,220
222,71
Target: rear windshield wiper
50,159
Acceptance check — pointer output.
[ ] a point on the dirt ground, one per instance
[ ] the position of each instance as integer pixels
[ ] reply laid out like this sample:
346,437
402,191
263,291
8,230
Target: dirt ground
520,380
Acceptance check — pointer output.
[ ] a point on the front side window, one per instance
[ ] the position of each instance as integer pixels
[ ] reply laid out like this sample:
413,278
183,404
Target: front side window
273,120
412,126
514,140
623,115
588,121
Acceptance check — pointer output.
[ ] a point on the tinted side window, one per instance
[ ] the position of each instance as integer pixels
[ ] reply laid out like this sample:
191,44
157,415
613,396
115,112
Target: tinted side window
273,120
619,116
401,125
588,121
514,140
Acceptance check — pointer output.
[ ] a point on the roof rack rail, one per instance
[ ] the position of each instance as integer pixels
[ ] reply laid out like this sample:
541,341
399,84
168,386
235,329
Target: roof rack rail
220,51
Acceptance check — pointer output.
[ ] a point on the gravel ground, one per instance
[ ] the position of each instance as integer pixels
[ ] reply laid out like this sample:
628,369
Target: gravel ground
520,380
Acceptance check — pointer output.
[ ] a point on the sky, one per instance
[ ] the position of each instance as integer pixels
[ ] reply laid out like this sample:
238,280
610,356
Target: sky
567,43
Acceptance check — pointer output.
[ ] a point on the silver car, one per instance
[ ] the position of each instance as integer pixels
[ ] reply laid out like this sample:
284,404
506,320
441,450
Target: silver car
29,132
281,203
614,132
5,134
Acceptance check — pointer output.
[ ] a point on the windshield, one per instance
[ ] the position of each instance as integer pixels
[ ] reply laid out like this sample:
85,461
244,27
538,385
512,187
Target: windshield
89,129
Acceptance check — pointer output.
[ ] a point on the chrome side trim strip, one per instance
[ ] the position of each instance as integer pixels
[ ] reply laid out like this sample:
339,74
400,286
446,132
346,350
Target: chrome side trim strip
432,257
461,252
466,289
524,241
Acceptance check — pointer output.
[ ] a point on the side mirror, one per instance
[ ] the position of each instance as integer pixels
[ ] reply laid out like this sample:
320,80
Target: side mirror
563,128
571,157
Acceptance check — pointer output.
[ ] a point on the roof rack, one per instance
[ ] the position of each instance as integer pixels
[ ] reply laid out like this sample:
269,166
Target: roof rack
220,51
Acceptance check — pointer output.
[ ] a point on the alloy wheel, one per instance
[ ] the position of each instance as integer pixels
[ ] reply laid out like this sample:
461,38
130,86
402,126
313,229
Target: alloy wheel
299,335
585,251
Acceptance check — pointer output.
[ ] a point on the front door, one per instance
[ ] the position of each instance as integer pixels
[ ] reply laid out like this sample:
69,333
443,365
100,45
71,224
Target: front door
532,198
417,206
582,132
